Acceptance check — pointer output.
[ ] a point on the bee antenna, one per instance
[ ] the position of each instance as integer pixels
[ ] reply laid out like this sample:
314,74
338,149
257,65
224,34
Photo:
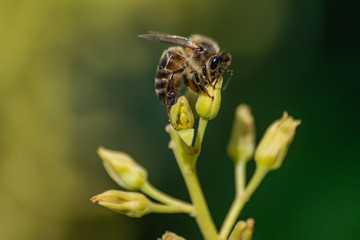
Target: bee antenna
229,78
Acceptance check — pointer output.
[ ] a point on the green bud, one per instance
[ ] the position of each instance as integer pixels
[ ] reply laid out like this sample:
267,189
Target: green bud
170,236
242,142
275,143
181,116
243,230
208,107
128,203
123,169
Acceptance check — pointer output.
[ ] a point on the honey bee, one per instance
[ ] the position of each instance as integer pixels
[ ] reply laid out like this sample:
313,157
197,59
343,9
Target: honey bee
195,61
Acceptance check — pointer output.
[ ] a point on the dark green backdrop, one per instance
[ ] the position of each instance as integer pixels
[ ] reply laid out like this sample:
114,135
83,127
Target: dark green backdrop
74,76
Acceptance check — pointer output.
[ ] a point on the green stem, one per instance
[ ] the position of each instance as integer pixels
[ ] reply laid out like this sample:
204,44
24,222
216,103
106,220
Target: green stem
200,134
240,177
185,161
241,200
159,208
203,217
166,199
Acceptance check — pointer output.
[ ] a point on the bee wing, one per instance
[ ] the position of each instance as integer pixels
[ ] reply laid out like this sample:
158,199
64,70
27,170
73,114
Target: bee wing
168,38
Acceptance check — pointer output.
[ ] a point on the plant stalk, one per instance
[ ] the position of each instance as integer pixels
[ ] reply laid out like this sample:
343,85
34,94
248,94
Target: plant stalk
186,160
240,177
166,199
240,201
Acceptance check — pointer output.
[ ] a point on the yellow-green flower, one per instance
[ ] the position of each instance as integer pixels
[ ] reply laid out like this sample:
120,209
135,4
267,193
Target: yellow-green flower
208,106
275,143
129,203
170,236
123,169
242,142
181,116
243,230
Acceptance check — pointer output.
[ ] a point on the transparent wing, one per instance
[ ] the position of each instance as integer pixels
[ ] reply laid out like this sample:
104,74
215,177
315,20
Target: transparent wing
168,38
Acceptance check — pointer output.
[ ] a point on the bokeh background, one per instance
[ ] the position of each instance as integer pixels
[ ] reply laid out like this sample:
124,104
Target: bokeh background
74,76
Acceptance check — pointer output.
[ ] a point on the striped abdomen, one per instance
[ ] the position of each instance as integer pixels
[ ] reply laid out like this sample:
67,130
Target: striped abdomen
169,75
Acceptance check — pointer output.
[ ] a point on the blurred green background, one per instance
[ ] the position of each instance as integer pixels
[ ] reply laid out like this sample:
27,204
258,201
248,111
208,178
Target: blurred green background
74,76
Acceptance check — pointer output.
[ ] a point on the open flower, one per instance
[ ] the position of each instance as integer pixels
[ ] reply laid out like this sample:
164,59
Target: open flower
181,116
182,119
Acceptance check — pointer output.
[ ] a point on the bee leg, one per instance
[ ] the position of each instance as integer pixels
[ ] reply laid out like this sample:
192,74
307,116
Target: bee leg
205,74
190,84
199,84
171,94
217,79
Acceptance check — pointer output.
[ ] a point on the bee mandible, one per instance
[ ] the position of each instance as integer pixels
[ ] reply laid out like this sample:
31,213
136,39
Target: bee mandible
193,58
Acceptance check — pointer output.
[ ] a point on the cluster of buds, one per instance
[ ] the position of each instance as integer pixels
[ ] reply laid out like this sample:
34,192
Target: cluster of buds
272,149
129,175
132,176
269,155
207,106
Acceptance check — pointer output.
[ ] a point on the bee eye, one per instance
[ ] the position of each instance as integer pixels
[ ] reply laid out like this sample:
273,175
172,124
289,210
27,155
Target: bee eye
214,62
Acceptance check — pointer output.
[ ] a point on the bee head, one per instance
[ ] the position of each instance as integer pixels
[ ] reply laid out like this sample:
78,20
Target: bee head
217,64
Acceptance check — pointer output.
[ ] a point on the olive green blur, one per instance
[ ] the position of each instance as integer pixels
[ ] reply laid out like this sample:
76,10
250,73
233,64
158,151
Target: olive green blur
74,76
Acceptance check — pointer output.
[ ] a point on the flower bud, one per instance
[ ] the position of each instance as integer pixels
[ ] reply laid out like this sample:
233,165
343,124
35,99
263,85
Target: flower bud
123,169
129,203
243,230
170,236
242,142
275,143
181,116
208,107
